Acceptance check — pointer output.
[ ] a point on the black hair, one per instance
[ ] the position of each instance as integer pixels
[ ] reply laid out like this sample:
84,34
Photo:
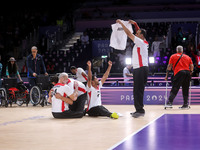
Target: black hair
72,67
12,69
54,79
143,32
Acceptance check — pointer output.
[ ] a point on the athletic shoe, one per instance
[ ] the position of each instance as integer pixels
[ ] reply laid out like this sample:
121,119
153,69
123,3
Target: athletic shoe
169,105
185,106
114,115
137,114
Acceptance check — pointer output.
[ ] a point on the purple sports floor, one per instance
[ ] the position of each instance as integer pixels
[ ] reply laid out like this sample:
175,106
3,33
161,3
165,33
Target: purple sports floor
169,132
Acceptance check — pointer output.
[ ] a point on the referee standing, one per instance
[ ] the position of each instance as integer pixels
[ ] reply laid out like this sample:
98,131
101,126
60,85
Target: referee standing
140,65
183,67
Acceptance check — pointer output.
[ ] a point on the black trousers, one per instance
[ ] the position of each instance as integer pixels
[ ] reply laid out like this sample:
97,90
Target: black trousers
140,79
76,110
182,78
79,104
99,111
68,114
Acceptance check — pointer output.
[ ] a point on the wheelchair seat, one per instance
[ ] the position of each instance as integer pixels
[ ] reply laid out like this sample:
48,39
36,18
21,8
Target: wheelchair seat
9,83
43,82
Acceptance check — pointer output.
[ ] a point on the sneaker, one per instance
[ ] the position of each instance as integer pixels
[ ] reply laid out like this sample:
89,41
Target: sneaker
114,115
169,105
137,114
185,106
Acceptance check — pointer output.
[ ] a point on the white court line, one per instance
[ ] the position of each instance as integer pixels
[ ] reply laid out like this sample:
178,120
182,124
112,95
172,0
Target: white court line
126,138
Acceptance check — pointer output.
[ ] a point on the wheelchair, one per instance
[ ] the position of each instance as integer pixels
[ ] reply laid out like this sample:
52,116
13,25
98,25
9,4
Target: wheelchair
14,92
39,93
3,97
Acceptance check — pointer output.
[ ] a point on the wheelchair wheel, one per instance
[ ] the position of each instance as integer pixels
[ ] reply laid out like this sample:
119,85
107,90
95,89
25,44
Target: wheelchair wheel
35,95
3,97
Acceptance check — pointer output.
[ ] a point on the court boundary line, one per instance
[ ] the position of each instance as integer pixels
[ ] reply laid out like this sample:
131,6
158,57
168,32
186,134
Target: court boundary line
21,120
132,134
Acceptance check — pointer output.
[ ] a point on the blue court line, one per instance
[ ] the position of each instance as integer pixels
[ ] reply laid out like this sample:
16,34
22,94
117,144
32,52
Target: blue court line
169,132
22,120
126,138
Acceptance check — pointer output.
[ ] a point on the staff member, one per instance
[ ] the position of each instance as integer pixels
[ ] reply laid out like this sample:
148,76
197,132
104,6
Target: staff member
182,76
35,64
140,65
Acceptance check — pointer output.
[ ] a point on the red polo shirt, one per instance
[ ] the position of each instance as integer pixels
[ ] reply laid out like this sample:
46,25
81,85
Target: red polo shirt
183,64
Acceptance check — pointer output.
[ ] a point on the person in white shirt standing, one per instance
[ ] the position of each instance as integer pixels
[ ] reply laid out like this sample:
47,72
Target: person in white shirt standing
62,97
140,65
95,108
80,74
126,74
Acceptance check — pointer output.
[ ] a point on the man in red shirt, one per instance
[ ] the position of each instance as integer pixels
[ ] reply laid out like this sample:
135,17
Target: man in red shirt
182,75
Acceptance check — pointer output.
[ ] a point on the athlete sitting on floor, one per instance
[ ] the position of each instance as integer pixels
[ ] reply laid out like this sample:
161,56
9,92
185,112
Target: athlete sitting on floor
95,107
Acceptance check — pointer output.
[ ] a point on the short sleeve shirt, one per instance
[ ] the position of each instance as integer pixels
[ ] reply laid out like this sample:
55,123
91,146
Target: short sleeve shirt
94,96
57,104
183,64
79,75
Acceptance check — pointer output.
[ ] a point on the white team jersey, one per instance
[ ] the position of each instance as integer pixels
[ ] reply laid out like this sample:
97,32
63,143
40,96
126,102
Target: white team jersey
81,86
57,104
94,96
79,75
140,53
118,37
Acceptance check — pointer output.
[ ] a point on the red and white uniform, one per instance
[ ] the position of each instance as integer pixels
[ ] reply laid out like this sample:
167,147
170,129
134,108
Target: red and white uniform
57,104
79,75
81,86
140,53
94,96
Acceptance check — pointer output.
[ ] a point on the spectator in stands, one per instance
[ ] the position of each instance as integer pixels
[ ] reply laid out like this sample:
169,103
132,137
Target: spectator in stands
180,36
126,74
85,39
182,76
197,64
155,47
12,69
50,67
24,68
35,66
80,74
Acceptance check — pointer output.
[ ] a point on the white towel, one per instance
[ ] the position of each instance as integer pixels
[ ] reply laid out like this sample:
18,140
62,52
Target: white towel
118,37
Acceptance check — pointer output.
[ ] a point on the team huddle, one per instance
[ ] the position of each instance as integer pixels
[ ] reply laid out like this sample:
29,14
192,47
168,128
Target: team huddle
68,96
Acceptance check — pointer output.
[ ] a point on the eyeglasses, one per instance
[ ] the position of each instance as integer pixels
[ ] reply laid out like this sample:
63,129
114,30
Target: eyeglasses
34,52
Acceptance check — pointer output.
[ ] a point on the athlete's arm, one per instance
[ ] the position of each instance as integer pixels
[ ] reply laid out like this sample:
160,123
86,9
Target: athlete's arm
89,82
65,99
126,30
135,24
105,76
75,94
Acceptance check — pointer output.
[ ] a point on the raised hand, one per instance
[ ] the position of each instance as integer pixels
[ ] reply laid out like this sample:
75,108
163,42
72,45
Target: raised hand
89,63
110,63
